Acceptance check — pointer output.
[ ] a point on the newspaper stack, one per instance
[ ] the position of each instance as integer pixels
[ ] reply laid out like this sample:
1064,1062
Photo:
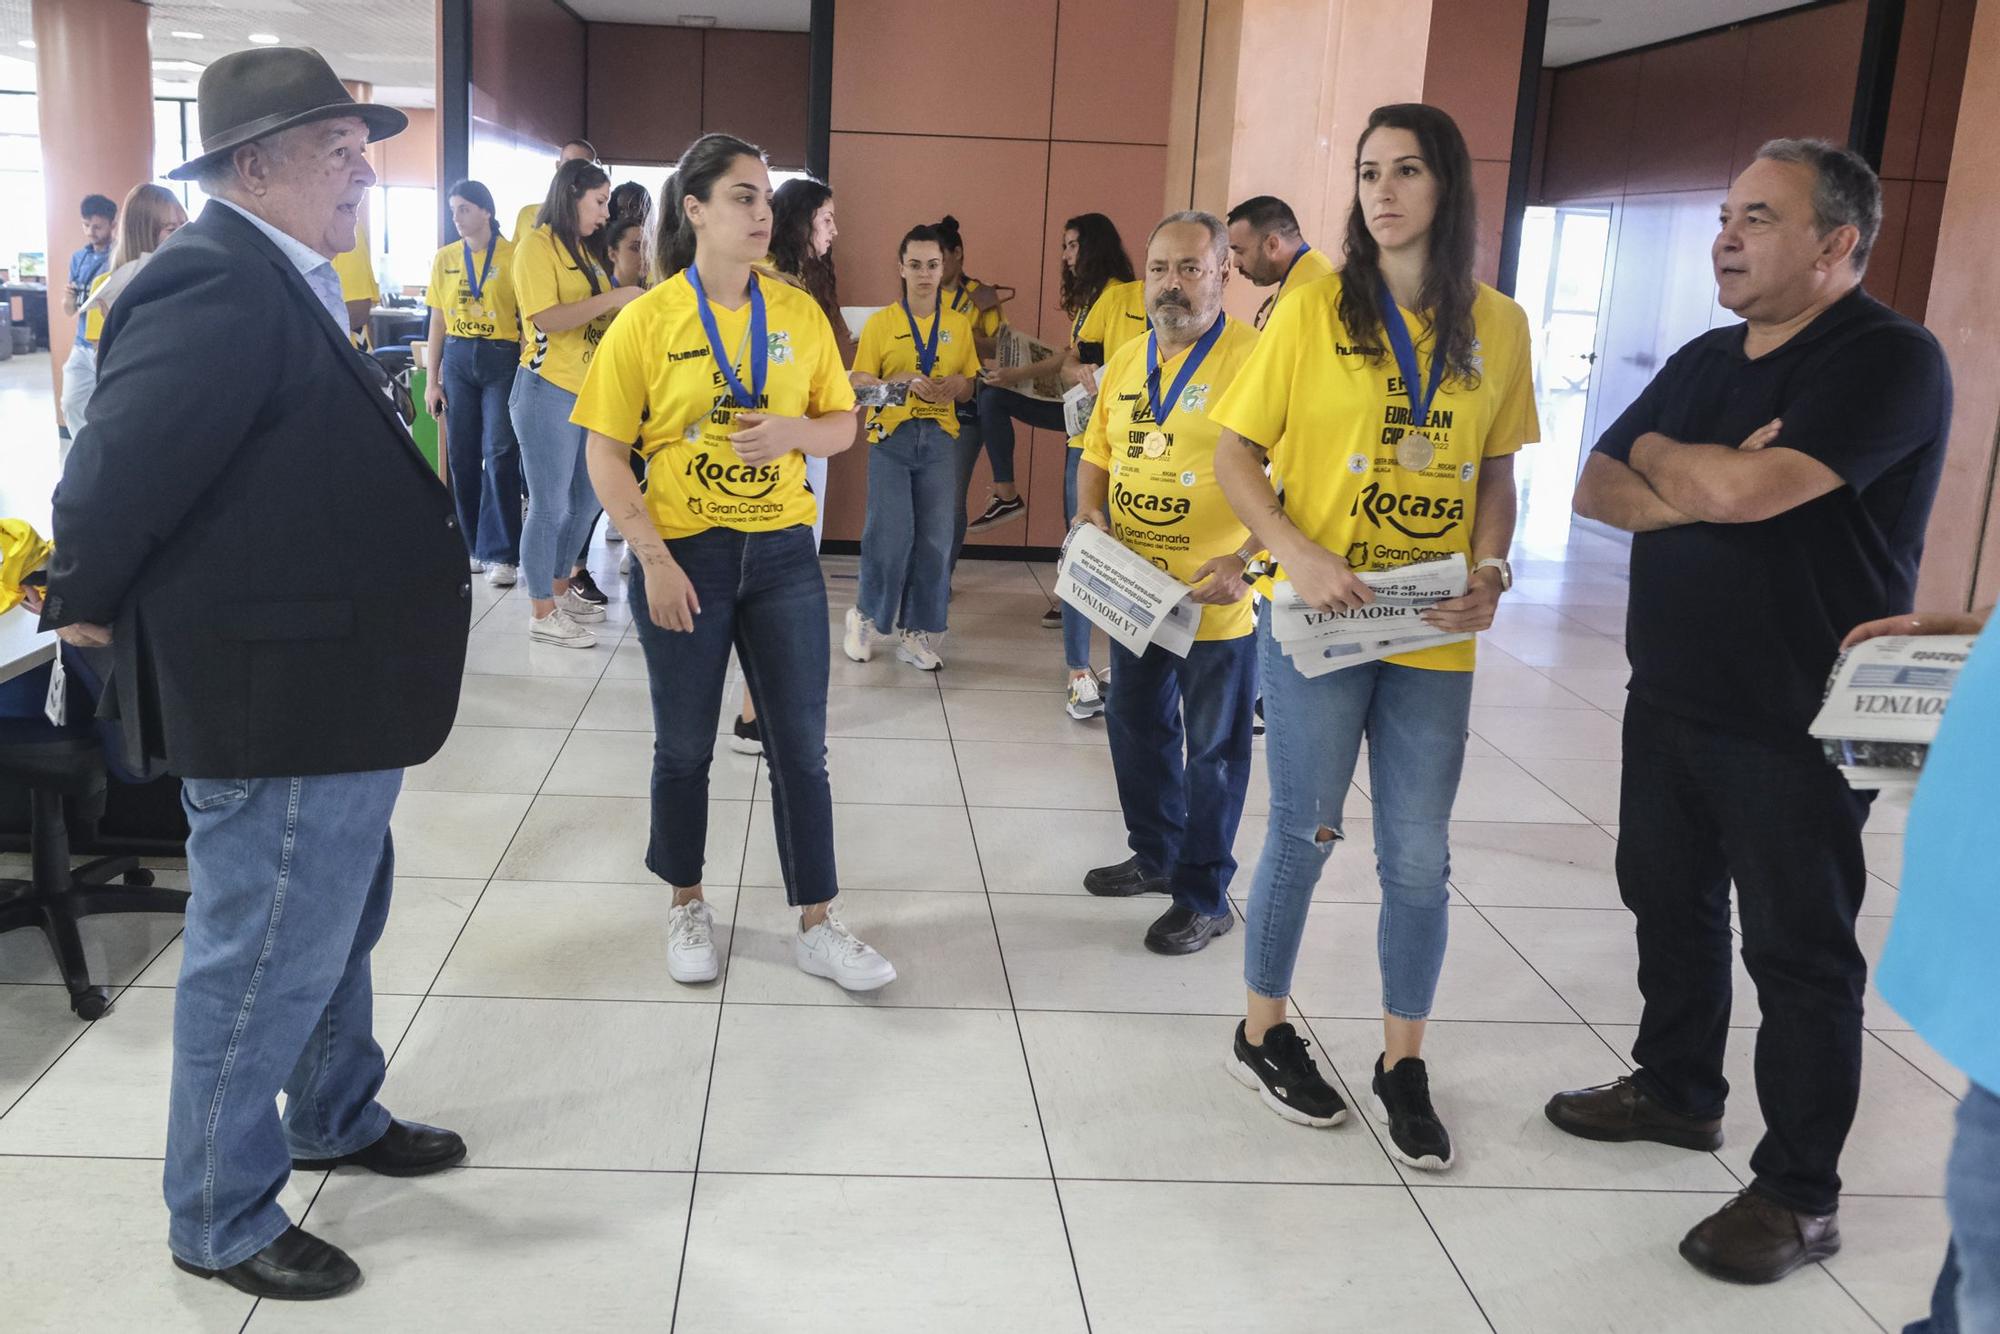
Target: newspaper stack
1319,642
1883,706
1124,594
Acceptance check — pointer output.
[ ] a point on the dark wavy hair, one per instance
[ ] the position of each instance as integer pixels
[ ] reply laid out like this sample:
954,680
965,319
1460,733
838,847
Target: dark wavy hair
574,179
1100,261
705,162
1449,288
793,205
476,194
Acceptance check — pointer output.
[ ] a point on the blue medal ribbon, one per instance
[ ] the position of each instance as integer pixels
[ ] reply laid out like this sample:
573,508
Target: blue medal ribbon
926,352
959,299
1398,330
1303,247
478,289
760,347
1194,359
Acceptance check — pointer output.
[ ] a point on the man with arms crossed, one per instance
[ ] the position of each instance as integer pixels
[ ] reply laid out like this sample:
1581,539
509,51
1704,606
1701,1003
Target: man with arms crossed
1778,475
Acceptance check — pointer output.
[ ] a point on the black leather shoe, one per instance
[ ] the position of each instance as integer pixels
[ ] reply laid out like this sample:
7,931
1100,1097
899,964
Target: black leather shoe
1621,1111
1123,880
406,1149
1756,1239
1183,930
297,1267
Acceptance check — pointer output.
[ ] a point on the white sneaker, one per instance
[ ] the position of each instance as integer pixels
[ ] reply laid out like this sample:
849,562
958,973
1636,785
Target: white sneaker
831,951
691,953
1086,700
576,608
917,649
557,628
502,576
854,641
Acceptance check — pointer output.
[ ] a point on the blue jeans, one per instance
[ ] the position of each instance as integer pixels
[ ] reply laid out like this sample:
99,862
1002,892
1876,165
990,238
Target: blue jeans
1181,814
1415,722
762,593
561,505
291,880
478,375
906,542
999,409
1076,626
965,457
1967,1299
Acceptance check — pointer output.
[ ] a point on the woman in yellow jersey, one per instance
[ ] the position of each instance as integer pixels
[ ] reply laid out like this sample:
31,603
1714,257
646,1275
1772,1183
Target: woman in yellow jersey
625,243
1388,401
150,214
726,383
475,345
566,302
926,348
1094,267
985,305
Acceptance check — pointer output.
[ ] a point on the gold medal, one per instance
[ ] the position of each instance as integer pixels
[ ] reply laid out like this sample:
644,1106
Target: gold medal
1415,451
1156,444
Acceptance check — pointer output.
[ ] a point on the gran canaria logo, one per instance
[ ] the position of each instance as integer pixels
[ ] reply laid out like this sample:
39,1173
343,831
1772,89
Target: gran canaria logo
779,347
1195,399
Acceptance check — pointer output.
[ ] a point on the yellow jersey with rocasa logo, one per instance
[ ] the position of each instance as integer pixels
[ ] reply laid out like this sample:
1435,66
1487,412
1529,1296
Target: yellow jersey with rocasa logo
1165,505
493,314
1330,412
1306,269
1117,316
655,382
546,275
886,352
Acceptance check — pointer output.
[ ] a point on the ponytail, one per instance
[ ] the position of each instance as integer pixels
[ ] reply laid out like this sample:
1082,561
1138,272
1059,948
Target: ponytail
704,163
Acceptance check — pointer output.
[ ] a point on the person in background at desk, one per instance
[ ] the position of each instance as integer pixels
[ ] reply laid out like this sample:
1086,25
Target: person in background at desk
151,214
100,219
475,344
289,708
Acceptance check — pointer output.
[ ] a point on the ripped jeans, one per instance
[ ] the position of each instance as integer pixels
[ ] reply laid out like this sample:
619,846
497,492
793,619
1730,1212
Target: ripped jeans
1415,722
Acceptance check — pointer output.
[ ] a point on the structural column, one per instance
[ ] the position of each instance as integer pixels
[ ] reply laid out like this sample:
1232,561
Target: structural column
94,81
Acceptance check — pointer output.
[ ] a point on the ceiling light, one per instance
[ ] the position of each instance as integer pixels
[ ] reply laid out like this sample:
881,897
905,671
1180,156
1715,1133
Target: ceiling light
696,20
264,38
187,36
1575,21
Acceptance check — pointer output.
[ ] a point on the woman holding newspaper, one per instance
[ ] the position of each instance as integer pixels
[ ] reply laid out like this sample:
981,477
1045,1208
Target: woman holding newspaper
1388,401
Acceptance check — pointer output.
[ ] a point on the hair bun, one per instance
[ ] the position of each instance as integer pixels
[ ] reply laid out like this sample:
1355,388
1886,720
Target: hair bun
948,223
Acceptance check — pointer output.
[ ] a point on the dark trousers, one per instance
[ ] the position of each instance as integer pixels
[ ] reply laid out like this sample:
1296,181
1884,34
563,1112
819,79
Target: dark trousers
999,409
1699,807
478,374
1179,730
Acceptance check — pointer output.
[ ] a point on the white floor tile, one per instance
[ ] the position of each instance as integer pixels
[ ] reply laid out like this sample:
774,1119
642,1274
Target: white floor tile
1582,1262
1601,686
824,1089
891,773
1338,976
1885,856
1551,734
491,1250
1265,1259
525,701
1506,682
1890,1253
880,847
551,940
1028,851
1149,1097
518,655
870,711
942,945
117,949
489,759
1590,958
1038,774
1919,1053
620,764
618,704
861,1255
1082,953
604,838
1539,866
37,1029
1012,715
456,835
559,1084
1588,786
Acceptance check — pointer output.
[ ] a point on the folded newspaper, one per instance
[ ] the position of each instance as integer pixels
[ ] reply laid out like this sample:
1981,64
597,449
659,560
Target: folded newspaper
1883,705
1014,349
1319,642
1124,594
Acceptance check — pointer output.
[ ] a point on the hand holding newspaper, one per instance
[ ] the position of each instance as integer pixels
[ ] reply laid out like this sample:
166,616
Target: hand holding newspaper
1883,706
1319,642
1015,349
1124,594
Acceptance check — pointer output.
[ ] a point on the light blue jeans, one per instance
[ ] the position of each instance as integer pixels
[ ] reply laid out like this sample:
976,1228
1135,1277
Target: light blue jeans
1076,626
1967,1299
561,505
1415,722
291,881
906,543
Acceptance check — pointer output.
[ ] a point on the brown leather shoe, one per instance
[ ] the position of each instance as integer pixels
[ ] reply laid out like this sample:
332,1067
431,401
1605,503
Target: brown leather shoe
1622,1111
1755,1239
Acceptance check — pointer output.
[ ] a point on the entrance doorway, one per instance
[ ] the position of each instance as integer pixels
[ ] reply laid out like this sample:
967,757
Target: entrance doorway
1564,257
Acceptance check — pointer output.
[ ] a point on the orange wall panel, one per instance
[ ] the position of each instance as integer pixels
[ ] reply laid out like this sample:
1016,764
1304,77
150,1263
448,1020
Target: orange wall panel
1489,185
411,158
1798,77
1114,71
1920,243
988,72
1946,86
1685,117
1885,264
645,91
528,68
1120,180
1472,69
1910,90
1590,130
754,86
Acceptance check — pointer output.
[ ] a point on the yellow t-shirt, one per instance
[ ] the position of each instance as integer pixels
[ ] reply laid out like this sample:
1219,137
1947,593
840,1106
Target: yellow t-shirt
1308,268
494,315
655,382
1169,509
547,275
985,323
356,268
886,352
93,319
1330,416
1114,319
524,221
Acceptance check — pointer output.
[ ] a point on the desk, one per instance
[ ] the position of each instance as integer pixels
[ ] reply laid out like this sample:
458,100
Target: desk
23,647
34,298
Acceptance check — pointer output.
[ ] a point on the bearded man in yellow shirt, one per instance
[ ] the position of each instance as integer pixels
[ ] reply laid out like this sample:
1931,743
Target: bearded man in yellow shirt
1264,238
1179,727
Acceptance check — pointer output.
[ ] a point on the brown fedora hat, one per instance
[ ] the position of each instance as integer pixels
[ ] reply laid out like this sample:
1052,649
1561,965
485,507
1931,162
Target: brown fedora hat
254,94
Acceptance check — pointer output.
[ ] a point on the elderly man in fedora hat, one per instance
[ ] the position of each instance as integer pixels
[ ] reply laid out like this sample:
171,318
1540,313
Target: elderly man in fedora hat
246,522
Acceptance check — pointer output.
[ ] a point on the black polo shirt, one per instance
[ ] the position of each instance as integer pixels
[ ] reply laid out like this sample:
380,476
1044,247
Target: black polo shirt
1738,624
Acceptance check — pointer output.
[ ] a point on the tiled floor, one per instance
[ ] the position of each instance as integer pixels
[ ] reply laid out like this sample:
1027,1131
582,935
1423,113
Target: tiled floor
1032,1130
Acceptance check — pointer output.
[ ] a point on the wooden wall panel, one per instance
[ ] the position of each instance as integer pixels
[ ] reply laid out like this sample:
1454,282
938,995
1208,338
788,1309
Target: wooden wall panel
1590,130
1946,87
645,91
1798,77
1684,119
1114,67
1472,69
754,86
528,69
1914,52
989,72
1885,265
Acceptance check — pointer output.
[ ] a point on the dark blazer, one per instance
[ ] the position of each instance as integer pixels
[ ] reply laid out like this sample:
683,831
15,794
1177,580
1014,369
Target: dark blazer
282,571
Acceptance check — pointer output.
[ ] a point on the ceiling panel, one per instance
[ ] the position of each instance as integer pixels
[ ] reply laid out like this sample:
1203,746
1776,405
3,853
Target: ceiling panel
781,15
1586,29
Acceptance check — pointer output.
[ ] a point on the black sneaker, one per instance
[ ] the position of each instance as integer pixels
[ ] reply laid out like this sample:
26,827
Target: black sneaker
1401,1100
1286,1079
997,512
586,588
1123,880
1257,718
1052,618
747,738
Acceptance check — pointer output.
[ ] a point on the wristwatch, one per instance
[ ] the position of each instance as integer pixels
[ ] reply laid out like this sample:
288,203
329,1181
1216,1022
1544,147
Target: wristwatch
1498,563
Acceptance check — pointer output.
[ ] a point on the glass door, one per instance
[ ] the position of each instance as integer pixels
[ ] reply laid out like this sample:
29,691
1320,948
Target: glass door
1564,255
